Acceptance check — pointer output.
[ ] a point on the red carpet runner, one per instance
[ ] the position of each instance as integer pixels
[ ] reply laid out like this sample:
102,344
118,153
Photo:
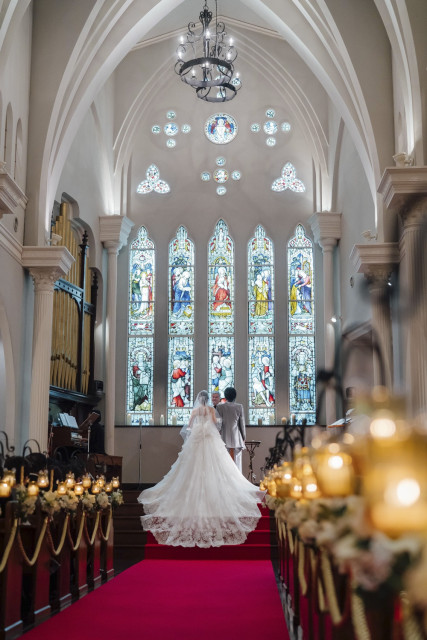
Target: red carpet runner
176,600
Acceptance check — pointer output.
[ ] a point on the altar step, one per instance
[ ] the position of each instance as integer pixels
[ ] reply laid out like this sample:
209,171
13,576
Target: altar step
132,544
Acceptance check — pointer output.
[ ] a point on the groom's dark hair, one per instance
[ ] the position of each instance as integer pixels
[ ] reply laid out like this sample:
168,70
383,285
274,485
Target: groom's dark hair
230,394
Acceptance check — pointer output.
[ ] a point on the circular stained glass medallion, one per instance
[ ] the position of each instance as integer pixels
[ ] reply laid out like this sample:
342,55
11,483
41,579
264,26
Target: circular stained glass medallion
221,128
285,126
270,113
171,115
170,143
186,128
220,176
220,161
205,176
155,129
171,129
270,142
255,127
221,191
270,127
236,175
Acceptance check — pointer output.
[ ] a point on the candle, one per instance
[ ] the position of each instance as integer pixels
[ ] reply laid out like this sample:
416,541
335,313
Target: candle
260,422
284,420
162,419
271,419
115,482
86,481
174,420
5,489
128,418
335,471
151,422
61,489
32,489
96,488
78,489
293,418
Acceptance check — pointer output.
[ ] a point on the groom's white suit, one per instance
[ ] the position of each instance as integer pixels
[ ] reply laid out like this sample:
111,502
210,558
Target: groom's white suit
233,429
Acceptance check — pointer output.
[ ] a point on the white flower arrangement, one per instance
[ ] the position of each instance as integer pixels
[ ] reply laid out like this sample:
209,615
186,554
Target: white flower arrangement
26,504
116,498
102,500
88,501
49,501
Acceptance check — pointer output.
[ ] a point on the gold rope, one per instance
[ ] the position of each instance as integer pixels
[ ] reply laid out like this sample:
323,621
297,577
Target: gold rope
320,595
91,539
58,550
301,573
107,534
360,624
291,541
8,547
74,547
283,526
279,529
411,628
33,560
336,615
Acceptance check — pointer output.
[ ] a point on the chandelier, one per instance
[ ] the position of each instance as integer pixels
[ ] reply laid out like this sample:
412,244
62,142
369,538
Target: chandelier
205,59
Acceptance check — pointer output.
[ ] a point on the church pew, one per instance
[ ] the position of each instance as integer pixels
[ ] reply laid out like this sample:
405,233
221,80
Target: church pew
11,624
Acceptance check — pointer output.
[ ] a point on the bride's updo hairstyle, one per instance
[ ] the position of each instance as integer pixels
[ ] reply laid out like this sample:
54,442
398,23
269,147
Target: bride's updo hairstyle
202,398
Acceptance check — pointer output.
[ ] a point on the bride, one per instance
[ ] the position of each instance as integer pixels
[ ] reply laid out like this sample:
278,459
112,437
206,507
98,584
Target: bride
203,500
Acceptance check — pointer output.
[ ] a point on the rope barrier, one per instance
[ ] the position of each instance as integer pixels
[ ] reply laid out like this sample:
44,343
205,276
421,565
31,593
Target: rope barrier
107,534
360,624
58,550
8,547
411,628
328,579
91,539
301,572
291,541
321,601
74,547
33,560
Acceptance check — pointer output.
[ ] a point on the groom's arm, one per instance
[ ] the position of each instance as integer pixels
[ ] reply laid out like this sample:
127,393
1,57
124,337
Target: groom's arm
242,426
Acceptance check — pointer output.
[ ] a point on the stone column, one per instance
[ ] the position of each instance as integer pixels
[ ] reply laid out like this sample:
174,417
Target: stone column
377,262
114,233
404,190
46,265
326,228
414,302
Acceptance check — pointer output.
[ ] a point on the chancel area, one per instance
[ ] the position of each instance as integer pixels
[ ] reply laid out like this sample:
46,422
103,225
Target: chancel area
204,195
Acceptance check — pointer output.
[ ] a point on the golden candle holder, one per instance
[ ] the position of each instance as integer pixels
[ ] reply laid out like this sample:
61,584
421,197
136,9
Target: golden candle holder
115,482
32,488
108,487
5,488
70,480
9,477
87,481
61,489
95,488
335,471
78,489
43,479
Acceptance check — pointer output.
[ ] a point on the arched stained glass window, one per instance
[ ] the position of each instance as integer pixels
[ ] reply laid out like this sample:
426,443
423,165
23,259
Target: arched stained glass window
261,375
180,328
141,329
302,362
221,309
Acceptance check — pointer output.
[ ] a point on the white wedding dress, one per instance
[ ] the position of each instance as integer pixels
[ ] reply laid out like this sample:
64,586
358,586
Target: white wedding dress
204,500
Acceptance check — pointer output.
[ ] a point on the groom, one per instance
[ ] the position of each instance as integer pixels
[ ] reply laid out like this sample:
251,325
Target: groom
233,430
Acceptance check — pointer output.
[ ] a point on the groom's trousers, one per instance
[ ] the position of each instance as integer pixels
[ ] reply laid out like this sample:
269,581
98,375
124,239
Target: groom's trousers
237,458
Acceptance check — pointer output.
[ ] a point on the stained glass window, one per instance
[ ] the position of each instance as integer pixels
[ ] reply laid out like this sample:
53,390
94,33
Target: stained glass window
180,327
261,374
221,309
301,314
141,329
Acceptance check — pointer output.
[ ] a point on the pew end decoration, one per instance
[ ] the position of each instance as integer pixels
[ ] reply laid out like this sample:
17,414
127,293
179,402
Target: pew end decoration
354,513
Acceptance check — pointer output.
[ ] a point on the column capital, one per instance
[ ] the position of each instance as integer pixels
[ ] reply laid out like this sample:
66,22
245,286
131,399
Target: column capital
401,186
46,264
114,231
10,194
326,227
375,261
